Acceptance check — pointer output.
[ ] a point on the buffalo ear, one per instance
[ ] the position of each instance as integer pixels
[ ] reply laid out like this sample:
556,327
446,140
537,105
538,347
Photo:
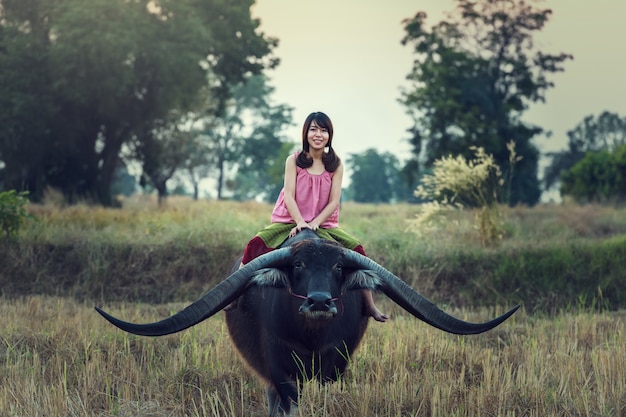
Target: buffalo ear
270,277
361,279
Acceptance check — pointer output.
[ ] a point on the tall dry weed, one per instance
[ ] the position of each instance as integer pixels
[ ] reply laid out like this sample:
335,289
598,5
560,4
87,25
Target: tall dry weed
456,183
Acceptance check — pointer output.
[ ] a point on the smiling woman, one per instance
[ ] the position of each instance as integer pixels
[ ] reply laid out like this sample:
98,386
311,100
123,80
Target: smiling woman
310,199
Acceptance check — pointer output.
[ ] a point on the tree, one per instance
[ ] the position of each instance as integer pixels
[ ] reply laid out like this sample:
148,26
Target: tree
198,163
473,78
163,151
25,95
600,176
261,168
99,74
375,177
123,182
246,138
590,179
604,132
619,166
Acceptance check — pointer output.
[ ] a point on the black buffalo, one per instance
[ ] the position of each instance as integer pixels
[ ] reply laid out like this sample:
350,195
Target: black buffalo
298,316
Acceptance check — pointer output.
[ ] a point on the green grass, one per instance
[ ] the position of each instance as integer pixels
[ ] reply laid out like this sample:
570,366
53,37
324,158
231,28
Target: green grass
551,258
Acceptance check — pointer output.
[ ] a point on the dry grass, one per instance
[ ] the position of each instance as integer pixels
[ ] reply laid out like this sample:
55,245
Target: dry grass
183,219
59,358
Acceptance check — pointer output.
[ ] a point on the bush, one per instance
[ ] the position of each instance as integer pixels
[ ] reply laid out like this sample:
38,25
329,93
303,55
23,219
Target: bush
598,177
12,212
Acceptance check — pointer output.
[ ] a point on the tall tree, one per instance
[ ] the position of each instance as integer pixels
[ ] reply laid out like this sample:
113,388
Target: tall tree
474,76
163,151
198,164
246,138
261,166
375,177
606,132
105,72
25,94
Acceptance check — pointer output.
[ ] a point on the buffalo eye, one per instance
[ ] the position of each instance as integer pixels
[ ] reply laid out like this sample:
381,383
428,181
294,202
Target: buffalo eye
338,268
298,265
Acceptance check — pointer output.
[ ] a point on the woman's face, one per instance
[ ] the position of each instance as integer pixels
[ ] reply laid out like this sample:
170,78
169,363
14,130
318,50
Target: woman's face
317,137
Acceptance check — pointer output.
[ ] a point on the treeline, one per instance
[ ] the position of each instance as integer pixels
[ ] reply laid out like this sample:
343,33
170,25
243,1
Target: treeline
178,91
87,88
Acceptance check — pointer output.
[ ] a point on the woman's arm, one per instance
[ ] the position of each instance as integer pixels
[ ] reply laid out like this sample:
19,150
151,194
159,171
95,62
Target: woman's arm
290,194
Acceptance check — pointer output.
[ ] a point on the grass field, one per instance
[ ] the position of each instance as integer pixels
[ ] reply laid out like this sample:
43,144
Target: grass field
59,358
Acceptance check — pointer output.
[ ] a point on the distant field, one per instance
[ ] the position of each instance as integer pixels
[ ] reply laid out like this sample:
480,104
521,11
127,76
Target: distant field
561,355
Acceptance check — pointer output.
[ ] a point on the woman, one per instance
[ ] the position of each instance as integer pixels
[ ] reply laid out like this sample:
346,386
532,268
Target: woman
310,198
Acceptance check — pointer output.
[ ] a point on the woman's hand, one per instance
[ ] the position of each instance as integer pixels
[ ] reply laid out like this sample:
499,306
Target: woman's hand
303,225
299,226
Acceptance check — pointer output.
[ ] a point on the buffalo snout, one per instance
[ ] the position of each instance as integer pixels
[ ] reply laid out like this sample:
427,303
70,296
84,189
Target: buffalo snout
319,305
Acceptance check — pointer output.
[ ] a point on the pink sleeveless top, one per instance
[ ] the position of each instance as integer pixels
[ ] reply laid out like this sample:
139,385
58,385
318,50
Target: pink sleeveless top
312,195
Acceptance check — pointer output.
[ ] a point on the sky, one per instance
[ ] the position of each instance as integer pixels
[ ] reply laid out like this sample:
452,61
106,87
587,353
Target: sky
345,58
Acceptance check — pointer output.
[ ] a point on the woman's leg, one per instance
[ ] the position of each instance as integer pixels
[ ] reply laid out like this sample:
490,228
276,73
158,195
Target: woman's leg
350,242
371,308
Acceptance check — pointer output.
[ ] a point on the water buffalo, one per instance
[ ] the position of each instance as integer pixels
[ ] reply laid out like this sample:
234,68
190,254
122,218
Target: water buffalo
298,316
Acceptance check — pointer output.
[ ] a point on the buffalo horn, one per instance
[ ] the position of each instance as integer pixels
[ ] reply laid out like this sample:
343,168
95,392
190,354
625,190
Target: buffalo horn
417,304
206,306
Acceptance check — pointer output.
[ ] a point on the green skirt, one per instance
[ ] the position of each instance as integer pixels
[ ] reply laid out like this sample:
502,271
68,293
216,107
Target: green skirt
276,233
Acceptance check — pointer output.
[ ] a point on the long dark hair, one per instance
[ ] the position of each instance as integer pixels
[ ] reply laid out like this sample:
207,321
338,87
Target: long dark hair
329,158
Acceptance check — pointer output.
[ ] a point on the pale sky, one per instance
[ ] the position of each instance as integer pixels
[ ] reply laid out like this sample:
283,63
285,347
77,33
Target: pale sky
344,57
